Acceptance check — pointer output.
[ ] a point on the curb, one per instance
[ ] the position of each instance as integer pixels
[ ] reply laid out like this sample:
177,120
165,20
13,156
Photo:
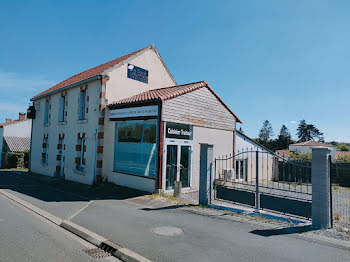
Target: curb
84,233
39,211
119,252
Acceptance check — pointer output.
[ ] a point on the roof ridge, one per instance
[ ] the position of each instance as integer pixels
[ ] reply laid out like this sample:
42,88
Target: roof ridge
113,62
203,81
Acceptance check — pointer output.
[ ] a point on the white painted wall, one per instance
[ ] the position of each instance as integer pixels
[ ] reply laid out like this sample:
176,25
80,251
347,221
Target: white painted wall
119,86
246,149
18,129
72,127
222,141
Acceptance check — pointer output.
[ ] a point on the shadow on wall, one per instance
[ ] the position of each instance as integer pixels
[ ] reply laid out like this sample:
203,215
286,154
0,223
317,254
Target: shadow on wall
53,189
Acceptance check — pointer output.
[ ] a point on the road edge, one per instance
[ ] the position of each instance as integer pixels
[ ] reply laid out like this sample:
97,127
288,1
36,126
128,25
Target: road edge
121,253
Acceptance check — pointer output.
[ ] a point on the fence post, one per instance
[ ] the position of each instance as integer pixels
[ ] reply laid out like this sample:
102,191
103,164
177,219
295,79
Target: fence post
205,175
257,200
320,177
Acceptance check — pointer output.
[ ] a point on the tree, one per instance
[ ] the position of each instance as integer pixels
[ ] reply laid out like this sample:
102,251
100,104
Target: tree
284,138
306,132
343,147
265,133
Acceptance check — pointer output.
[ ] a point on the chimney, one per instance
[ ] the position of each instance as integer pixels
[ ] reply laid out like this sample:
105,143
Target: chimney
22,116
8,119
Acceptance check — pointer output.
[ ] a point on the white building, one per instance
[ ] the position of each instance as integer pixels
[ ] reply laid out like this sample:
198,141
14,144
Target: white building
112,122
14,136
306,147
245,160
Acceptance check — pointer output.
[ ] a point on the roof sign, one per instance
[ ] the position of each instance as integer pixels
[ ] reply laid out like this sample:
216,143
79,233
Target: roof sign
137,73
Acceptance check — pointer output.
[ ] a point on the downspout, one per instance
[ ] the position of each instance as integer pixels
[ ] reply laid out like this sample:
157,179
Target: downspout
160,128
31,143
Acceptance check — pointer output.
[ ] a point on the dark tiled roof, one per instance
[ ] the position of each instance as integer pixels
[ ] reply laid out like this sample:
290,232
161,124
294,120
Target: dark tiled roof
89,73
312,143
167,93
17,144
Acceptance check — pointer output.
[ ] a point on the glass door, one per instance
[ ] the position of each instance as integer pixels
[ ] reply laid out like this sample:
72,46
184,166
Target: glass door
171,166
185,166
178,165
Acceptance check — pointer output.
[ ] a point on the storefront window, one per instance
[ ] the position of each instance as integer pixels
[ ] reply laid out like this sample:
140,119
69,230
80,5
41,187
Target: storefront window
135,147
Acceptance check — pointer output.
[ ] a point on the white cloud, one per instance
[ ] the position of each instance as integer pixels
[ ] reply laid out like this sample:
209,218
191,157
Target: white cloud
293,122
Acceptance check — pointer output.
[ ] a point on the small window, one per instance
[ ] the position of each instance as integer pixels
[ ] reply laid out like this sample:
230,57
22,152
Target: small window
47,112
82,105
62,109
81,151
241,169
45,146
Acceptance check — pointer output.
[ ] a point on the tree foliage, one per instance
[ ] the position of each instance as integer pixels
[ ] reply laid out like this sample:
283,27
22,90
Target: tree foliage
284,138
300,156
343,147
306,132
265,133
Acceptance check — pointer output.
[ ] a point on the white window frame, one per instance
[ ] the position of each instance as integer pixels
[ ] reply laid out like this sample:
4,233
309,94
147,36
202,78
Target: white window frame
241,166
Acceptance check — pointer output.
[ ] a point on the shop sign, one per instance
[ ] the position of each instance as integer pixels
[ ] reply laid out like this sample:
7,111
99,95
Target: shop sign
134,112
137,73
179,131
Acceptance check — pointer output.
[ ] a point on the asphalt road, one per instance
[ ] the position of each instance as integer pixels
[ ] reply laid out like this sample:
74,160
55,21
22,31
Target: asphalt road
130,222
25,236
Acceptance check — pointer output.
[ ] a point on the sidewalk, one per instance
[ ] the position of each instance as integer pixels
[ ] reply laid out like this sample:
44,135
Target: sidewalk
135,221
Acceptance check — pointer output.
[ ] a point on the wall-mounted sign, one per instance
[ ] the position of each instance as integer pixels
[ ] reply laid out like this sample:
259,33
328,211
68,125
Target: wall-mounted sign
134,112
179,131
137,73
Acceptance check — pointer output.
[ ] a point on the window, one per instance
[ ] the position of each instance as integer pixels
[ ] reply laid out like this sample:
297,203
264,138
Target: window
47,112
82,105
62,109
135,147
241,169
80,160
45,146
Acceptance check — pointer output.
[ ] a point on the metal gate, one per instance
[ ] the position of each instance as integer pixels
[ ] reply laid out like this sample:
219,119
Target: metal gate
264,180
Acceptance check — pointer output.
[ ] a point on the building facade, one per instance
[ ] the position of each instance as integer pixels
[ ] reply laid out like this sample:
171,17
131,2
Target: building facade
68,129
157,136
128,122
14,137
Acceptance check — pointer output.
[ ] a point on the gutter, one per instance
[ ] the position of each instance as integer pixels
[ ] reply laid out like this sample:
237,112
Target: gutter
96,77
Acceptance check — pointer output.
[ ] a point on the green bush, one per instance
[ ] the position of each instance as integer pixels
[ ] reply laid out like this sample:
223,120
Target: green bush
300,156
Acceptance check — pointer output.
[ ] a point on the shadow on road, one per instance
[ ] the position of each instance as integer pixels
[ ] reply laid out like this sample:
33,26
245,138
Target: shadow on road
282,231
168,207
55,189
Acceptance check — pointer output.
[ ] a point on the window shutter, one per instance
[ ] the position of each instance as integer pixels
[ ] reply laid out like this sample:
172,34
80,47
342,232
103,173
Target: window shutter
60,109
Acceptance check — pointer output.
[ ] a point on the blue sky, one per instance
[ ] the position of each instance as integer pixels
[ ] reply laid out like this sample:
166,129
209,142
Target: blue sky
276,60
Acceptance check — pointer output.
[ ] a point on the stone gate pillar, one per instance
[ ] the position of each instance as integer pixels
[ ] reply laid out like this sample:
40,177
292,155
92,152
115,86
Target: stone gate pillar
205,174
320,176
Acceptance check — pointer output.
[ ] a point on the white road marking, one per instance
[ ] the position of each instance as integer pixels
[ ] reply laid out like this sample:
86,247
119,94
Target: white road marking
80,210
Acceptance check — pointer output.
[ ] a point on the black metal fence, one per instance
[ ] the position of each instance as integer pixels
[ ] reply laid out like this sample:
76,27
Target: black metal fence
264,180
340,190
